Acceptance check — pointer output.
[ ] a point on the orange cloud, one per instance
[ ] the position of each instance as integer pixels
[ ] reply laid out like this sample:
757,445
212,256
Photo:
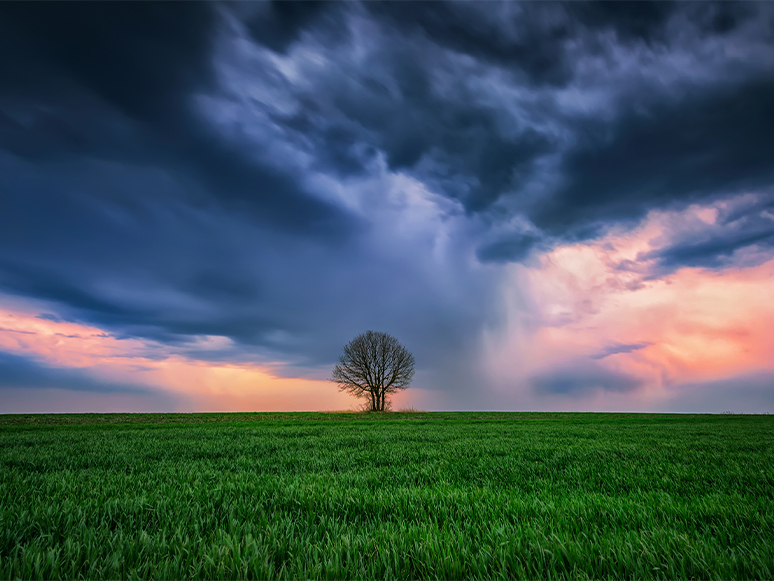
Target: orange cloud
202,386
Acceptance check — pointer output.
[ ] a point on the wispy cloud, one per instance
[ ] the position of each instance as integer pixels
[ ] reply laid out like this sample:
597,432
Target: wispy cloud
617,348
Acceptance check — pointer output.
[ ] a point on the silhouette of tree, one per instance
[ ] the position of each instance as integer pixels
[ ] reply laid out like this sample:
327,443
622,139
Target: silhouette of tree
373,366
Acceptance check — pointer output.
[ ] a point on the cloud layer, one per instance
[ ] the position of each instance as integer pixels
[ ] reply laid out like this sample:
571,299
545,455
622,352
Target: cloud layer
256,183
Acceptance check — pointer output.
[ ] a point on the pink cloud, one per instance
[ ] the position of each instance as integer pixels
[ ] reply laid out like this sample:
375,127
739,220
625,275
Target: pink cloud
578,304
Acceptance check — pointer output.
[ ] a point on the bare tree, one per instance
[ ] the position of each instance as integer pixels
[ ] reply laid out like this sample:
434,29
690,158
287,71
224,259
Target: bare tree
374,365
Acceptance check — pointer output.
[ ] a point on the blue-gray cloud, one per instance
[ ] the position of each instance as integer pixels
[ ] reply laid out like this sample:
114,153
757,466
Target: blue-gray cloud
19,372
513,248
616,348
583,378
751,393
741,235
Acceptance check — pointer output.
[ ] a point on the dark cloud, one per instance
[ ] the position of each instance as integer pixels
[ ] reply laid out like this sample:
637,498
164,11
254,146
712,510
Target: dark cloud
534,39
746,228
720,18
638,20
712,252
141,58
514,248
114,81
278,24
660,143
165,229
527,37
110,180
676,152
170,273
583,378
454,145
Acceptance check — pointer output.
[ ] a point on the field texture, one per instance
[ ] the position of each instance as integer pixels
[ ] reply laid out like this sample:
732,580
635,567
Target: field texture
446,496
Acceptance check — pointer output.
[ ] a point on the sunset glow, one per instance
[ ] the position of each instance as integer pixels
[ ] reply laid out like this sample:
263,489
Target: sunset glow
692,326
193,385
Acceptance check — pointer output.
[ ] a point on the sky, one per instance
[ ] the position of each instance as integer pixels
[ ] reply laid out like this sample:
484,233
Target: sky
553,206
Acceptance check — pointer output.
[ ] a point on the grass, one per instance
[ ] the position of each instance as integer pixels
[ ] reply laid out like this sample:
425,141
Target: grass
413,495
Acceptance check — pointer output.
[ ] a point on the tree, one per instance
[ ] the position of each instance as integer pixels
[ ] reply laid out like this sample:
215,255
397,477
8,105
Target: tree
372,366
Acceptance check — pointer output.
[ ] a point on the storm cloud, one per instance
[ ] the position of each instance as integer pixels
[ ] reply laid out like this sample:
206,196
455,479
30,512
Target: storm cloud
287,174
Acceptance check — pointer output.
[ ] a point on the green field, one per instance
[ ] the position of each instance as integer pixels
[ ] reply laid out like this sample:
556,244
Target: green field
419,495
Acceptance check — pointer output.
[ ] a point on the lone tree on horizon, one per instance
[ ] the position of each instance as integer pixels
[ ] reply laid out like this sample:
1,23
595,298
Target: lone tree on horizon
372,366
